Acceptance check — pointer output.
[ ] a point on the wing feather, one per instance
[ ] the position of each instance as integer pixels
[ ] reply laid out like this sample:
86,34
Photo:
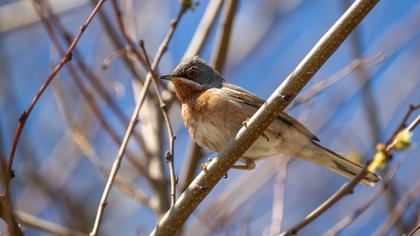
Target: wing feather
243,96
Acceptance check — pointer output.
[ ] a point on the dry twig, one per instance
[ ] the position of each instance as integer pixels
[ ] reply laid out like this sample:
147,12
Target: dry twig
66,58
171,137
134,118
282,97
348,188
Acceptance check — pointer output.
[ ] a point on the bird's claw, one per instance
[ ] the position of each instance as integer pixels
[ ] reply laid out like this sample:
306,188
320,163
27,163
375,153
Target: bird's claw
205,164
245,122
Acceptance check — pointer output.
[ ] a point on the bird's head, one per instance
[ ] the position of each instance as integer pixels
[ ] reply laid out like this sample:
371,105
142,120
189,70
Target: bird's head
193,75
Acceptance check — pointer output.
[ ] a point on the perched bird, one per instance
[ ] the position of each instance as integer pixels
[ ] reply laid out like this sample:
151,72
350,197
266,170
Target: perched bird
214,111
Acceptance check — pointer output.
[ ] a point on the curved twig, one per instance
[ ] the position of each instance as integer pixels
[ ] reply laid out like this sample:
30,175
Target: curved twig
66,58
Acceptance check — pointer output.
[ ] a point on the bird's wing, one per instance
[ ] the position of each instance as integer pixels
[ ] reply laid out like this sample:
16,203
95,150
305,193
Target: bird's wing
243,96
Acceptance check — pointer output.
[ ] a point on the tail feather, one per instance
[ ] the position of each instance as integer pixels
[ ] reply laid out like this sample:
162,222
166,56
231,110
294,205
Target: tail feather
333,161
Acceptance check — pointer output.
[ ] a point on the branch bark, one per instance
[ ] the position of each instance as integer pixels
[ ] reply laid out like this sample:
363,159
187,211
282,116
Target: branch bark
277,102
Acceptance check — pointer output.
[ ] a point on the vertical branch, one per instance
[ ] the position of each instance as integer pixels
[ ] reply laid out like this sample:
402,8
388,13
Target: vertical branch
222,45
278,197
204,28
6,208
171,137
277,102
200,38
134,118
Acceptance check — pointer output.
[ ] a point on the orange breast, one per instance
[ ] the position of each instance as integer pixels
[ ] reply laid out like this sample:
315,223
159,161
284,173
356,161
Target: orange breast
212,119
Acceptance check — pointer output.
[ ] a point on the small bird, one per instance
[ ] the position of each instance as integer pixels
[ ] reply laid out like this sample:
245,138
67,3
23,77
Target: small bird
214,110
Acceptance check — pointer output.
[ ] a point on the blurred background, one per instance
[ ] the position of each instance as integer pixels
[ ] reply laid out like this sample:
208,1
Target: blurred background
355,101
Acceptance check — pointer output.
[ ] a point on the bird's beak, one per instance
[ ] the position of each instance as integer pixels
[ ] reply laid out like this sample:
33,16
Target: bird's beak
168,77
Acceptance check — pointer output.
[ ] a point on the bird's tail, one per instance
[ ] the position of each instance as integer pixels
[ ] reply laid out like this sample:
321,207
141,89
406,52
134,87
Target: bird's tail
333,161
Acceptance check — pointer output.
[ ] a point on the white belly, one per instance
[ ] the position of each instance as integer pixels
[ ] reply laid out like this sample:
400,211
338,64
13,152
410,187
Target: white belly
216,138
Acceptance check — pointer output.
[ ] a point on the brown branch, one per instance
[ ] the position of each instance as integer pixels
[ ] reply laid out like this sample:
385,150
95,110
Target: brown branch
92,78
110,30
410,196
413,231
191,162
347,188
66,58
222,44
204,28
171,137
331,80
343,191
134,118
6,206
196,153
277,102
39,7
87,148
47,226
340,226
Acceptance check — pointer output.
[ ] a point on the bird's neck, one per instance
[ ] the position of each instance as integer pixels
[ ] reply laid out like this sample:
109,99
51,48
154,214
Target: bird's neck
187,91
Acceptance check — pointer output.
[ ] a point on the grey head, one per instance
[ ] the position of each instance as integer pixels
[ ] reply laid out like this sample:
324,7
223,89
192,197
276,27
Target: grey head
197,70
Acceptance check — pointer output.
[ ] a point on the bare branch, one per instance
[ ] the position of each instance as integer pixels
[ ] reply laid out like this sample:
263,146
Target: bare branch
222,44
47,226
410,196
347,188
134,119
66,58
378,192
282,97
171,137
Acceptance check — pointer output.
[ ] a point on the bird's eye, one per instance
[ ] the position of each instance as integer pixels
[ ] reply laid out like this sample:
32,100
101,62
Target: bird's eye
192,73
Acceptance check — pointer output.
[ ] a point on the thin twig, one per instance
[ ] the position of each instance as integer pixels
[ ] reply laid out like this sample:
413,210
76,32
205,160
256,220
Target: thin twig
92,77
222,45
347,188
410,196
47,226
171,137
38,5
112,33
87,148
277,214
378,192
343,191
413,231
134,119
201,35
331,80
6,205
66,58
204,28
277,102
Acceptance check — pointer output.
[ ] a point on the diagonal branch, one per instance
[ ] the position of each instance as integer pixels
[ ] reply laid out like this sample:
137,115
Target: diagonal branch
66,58
277,102
348,188
171,137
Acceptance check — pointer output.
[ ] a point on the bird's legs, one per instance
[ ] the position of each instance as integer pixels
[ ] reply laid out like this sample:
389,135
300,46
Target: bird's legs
248,164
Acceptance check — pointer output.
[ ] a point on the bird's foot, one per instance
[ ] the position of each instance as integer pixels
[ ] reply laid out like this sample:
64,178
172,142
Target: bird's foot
245,122
205,164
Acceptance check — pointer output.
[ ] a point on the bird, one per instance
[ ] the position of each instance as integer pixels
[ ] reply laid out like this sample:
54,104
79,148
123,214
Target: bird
214,110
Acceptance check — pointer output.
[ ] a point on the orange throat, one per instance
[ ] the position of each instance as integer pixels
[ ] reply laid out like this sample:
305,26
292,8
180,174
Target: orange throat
187,90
